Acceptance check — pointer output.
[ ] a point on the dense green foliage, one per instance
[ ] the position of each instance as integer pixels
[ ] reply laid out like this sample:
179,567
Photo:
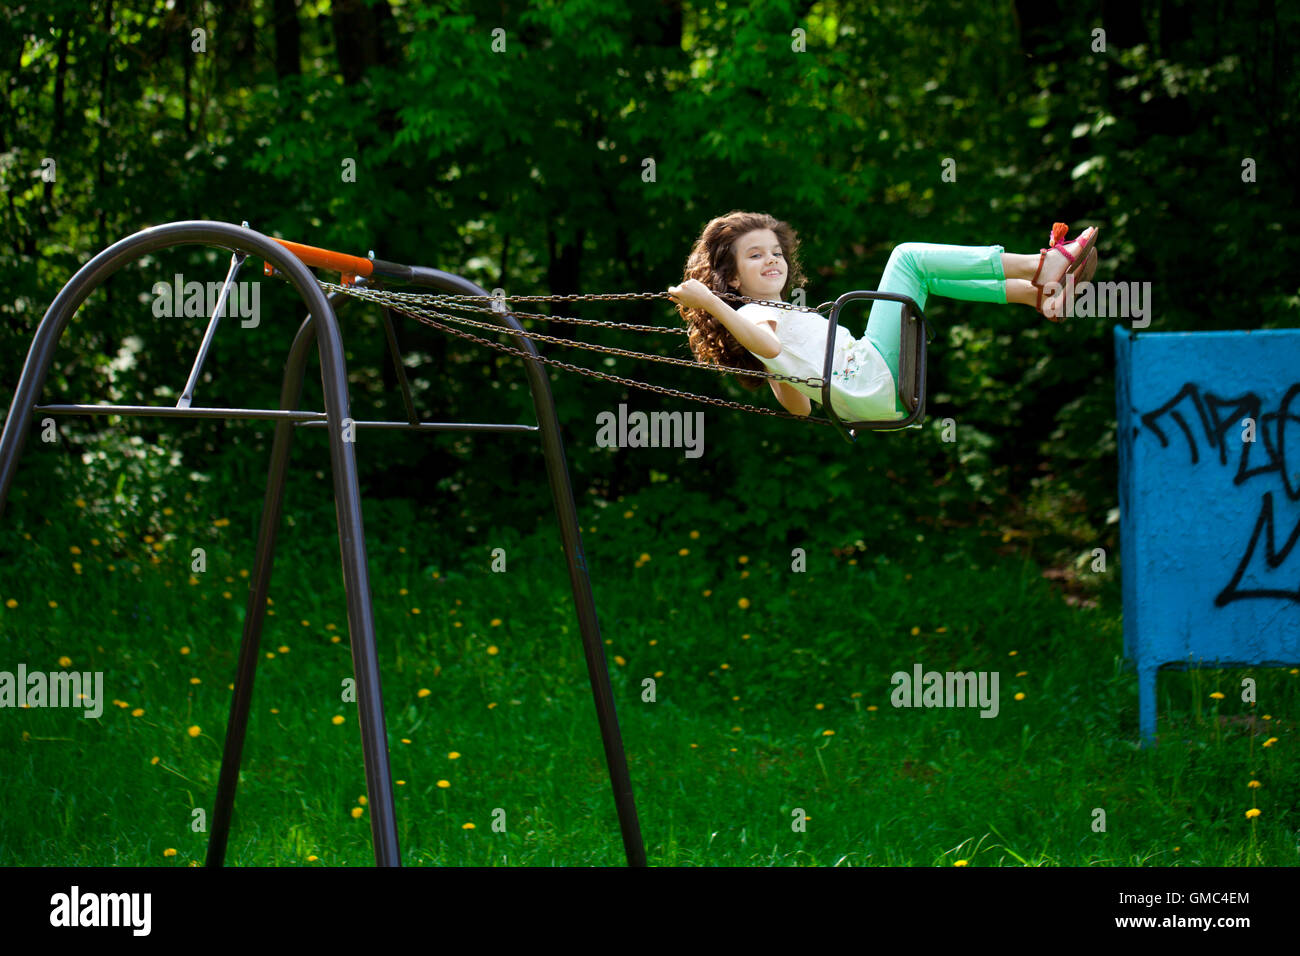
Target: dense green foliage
522,168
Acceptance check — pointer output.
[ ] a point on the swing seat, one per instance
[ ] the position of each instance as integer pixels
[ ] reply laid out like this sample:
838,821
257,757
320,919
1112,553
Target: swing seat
913,338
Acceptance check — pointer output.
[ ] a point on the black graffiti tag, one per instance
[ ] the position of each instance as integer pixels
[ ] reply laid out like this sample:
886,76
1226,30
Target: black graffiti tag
1202,416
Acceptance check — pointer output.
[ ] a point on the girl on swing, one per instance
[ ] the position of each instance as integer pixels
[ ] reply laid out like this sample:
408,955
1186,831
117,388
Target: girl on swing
755,255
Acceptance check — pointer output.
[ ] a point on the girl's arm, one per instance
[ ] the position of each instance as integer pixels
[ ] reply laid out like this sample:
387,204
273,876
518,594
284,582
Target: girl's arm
792,400
760,340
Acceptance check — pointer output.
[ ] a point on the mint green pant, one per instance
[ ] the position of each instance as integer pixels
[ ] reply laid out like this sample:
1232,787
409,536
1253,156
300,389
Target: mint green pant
919,269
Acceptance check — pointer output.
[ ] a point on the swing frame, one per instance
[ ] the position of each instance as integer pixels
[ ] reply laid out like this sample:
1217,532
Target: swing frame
912,341
291,261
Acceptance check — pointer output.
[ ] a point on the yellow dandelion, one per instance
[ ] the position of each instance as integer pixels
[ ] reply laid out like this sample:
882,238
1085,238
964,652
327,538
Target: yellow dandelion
138,712
423,692
492,706
725,667
855,695
707,593
743,602
275,710
916,631
619,661
195,680
80,502
195,731
495,622
270,655
335,639
819,706
453,756
76,566
185,650
828,733
872,707
357,811
65,661
659,673
406,740
1270,742
1022,673
193,580
221,522
444,784
493,650
960,863
54,604
644,557
735,730
11,604
468,826
941,630
227,595
654,642
154,761
744,637
313,858
362,800
336,719
400,783
283,648
1012,653
1268,716
169,852
1217,695
1020,696
1254,785
1252,813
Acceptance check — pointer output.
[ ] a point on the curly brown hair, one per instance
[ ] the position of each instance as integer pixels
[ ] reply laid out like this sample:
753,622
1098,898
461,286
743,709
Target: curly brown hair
713,262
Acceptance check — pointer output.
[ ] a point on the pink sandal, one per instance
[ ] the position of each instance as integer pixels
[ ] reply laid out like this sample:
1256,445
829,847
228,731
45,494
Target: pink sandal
1084,259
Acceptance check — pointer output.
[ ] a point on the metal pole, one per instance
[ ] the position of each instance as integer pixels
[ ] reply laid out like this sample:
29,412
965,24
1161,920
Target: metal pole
557,471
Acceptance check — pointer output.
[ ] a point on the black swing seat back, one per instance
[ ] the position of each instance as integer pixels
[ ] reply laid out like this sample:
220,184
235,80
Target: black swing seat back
913,337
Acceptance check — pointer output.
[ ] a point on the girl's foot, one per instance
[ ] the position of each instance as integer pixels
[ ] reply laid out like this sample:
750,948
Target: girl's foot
1059,260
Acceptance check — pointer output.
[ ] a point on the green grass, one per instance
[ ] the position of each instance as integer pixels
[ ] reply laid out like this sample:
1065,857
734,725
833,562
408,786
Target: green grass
759,711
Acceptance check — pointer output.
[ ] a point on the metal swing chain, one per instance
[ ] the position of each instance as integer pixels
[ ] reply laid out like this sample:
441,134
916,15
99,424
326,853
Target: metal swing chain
419,312
396,301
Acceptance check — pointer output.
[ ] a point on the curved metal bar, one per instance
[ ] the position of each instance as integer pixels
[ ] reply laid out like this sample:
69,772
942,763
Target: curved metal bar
342,456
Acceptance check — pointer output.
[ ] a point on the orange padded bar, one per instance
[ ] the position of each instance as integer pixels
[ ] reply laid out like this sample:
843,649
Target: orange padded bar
325,259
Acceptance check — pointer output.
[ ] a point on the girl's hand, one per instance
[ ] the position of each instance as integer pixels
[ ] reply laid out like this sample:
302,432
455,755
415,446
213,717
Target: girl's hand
693,294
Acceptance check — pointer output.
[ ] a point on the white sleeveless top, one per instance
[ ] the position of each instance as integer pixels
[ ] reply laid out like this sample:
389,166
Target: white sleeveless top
862,386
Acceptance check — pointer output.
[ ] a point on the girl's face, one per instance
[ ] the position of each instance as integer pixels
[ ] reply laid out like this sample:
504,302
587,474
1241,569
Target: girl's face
761,268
